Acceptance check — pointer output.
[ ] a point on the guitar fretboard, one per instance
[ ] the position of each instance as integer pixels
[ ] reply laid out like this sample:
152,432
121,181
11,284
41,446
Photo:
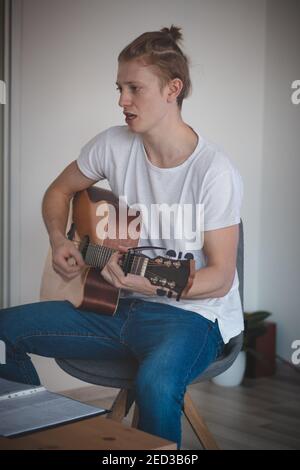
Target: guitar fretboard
98,256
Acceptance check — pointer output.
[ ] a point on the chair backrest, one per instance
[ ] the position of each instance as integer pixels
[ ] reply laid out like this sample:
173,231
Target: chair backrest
240,262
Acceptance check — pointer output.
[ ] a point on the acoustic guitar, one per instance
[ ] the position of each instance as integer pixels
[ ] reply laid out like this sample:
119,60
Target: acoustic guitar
94,227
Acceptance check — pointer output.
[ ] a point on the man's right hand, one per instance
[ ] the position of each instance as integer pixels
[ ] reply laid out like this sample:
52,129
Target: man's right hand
67,260
55,210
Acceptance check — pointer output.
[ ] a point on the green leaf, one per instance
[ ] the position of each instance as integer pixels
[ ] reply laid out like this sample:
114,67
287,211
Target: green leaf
255,317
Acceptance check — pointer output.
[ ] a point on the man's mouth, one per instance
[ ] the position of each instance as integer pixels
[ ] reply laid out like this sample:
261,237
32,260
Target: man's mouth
130,116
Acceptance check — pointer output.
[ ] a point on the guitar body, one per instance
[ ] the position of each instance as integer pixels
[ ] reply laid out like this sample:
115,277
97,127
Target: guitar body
92,212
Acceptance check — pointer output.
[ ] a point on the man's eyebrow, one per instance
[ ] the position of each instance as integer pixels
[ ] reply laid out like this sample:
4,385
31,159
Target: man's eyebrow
130,83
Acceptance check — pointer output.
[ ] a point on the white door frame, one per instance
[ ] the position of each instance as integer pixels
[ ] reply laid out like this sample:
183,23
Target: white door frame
14,281
5,267
10,272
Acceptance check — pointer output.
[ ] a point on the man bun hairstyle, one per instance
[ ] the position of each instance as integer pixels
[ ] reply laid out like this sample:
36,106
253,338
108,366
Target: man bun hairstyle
161,50
173,32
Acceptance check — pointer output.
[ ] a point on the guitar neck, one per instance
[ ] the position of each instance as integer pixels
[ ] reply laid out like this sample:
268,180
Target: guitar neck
97,256
174,275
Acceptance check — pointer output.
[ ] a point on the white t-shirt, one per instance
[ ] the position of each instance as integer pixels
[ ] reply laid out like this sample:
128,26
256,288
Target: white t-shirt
207,179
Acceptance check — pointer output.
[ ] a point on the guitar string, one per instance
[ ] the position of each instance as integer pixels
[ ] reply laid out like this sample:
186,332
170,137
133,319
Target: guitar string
131,256
159,277
94,256
154,264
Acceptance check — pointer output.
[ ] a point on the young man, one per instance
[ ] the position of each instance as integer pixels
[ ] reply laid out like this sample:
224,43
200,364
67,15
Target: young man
156,159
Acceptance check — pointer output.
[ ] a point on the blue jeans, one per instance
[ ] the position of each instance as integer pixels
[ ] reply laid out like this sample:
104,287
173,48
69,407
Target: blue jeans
172,346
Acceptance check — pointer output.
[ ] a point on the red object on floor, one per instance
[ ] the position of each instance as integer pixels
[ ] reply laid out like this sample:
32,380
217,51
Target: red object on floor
265,347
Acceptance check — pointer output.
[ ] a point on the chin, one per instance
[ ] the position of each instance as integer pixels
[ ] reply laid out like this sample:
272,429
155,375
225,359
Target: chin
136,129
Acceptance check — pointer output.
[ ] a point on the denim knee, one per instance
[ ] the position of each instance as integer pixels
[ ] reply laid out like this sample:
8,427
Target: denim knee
158,387
12,324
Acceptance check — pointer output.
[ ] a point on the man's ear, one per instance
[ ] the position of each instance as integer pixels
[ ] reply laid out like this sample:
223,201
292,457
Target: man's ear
175,86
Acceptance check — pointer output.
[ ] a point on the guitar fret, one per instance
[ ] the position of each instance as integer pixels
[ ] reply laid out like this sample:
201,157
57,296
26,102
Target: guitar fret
106,257
140,262
92,254
98,257
132,268
144,267
139,265
95,263
103,256
135,265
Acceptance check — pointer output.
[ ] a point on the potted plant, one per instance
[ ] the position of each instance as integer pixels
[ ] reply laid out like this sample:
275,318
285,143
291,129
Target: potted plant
254,327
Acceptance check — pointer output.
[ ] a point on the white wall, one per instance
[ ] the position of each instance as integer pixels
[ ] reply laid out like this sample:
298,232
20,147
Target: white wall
64,69
279,252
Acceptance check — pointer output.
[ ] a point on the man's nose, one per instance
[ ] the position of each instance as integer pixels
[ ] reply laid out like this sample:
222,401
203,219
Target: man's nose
124,99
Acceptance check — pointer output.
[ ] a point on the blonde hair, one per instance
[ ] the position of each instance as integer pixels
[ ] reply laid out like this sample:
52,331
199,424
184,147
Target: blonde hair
160,49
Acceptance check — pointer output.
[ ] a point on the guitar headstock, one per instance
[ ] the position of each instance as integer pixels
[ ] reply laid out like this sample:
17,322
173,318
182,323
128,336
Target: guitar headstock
171,276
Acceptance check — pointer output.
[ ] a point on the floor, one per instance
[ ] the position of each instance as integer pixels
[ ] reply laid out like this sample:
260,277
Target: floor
260,414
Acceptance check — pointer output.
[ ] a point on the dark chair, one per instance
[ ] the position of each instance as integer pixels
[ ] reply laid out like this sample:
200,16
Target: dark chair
120,374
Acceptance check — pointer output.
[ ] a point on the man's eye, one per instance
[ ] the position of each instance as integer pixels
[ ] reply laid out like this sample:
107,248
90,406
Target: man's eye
132,88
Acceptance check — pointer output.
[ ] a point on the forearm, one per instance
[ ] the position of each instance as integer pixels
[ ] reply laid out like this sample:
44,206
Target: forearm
209,282
55,211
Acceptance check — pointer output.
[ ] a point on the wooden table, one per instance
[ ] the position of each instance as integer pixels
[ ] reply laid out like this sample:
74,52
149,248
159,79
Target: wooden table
97,433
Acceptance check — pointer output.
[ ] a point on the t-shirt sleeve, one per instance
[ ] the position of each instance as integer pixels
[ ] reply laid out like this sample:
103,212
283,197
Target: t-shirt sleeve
222,200
92,157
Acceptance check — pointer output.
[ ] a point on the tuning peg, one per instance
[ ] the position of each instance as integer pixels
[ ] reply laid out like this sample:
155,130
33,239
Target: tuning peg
171,253
189,256
170,293
180,255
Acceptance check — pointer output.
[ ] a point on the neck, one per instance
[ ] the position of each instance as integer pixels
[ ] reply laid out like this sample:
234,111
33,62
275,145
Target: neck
170,143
